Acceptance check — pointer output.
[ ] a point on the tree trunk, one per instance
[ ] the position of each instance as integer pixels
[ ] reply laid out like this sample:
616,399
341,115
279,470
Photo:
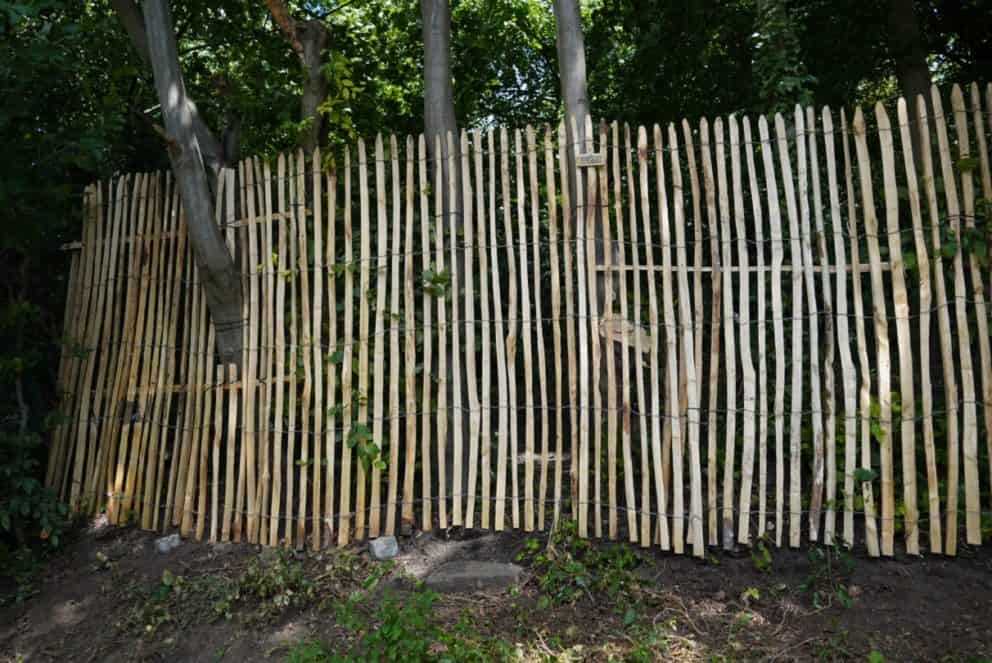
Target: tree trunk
213,151
313,39
572,62
439,102
908,50
221,281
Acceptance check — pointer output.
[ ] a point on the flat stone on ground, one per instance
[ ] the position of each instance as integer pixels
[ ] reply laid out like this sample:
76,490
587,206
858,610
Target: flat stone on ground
470,575
384,547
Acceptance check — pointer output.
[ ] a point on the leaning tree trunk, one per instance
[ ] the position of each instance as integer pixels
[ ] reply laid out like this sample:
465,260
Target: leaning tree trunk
221,281
572,66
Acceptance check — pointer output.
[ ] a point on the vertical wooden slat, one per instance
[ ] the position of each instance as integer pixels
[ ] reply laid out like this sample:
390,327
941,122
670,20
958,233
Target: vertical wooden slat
471,377
526,332
378,394
907,438
457,411
542,367
848,374
278,263
394,344
778,315
267,268
249,379
347,352
330,427
879,314
671,345
712,220
829,388
923,273
626,440
215,451
795,257
729,316
442,380
318,457
608,319
977,288
969,409
365,263
505,434
944,331
410,346
568,236
590,214
750,394
556,319
486,316
986,172
428,333
762,397
816,414
871,526
581,263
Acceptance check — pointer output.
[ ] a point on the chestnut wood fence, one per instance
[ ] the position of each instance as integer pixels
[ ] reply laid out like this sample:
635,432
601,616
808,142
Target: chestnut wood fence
704,334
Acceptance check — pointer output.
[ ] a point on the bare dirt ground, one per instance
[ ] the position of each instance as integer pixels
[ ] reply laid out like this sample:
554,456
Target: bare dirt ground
112,597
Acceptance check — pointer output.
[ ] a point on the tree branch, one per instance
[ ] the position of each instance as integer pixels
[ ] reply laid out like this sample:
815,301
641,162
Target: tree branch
287,24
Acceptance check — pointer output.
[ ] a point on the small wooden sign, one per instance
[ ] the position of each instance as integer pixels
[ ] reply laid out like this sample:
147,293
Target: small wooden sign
590,160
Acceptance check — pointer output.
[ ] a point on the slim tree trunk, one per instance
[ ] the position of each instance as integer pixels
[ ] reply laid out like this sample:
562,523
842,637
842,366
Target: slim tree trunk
308,39
572,64
221,281
439,101
909,54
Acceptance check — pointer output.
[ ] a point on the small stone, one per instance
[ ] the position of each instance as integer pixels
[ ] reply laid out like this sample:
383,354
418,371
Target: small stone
383,548
167,544
470,575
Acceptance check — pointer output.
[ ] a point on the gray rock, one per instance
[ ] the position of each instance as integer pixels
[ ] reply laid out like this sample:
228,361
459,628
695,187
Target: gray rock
167,544
470,575
383,548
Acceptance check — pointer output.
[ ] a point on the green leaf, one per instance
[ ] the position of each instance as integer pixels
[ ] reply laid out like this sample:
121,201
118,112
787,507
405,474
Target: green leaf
865,474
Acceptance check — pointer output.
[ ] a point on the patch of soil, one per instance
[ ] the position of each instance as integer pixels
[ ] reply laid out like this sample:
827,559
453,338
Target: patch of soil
724,608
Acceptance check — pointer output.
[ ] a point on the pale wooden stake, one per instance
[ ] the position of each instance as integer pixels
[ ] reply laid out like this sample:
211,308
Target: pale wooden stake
442,356
410,348
626,440
526,332
829,386
712,220
750,398
568,235
923,269
318,457
973,515
944,329
277,265
542,366
907,438
394,344
556,319
848,374
762,397
471,377
486,317
608,318
330,427
378,394
671,342
502,341
880,316
816,494
362,418
970,424
730,439
347,372
457,411
871,526
581,264
425,415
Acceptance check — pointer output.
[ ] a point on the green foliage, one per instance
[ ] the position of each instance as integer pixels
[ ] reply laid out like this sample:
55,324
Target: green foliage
436,283
761,555
830,571
360,440
570,569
